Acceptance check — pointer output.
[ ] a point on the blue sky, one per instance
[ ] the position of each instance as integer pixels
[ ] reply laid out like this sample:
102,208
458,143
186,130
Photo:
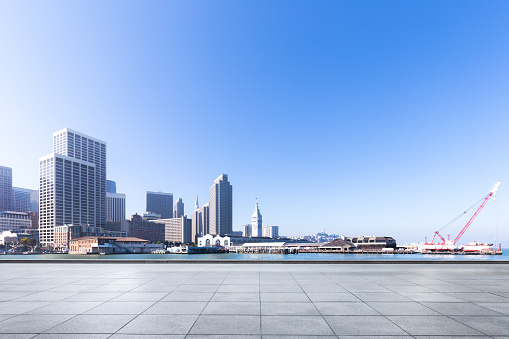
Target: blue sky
360,117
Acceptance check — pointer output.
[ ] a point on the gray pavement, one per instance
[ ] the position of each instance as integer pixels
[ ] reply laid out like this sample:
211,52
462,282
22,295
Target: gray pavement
119,301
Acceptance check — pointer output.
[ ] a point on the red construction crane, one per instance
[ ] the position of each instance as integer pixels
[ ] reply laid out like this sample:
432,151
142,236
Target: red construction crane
449,245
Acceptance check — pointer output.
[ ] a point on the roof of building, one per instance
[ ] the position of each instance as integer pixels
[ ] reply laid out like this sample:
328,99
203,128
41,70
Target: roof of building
117,239
339,243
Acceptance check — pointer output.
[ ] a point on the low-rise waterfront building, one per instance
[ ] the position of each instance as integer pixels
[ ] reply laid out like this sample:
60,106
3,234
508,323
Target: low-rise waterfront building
112,245
65,234
372,242
231,241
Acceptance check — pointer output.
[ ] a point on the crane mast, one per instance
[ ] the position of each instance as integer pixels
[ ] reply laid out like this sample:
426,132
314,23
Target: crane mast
450,244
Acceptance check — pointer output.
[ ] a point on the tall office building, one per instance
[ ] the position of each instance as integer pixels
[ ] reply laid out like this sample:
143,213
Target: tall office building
67,194
72,185
256,222
221,218
25,200
160,203
5,188
199,221
83,147
115,210
178,209
111,186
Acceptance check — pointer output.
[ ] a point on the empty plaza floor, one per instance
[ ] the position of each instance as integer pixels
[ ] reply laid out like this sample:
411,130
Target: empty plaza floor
253,300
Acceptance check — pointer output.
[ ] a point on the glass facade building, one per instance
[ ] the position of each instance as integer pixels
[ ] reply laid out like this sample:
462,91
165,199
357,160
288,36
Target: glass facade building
25,200
5,188
160,203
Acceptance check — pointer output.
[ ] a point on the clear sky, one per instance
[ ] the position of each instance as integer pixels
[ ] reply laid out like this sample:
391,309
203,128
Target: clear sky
360,117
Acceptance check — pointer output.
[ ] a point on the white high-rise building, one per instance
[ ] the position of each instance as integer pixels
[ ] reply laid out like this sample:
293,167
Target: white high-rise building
72,185
115,210
178,208
256,222
83,147
67,194
220,200
5,188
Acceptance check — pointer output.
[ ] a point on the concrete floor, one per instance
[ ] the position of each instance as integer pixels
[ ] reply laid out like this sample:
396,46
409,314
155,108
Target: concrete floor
253,301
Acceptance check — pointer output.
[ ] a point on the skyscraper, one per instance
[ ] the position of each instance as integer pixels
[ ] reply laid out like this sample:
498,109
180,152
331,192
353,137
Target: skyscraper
83,147
72,185
111,186
115,210
67,194
25,200
256,222
160,203
220,194
178,209
199,221
5,188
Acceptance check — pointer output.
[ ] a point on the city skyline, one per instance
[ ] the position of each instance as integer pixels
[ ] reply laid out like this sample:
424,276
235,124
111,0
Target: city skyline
391,128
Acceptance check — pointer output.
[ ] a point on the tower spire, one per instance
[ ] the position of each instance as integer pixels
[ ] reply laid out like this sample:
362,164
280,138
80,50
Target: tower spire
196,205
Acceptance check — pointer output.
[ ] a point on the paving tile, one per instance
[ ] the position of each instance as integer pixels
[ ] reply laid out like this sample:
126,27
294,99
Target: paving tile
295,325
323,288
140,296
432,297
196,288
177,307
460,309
148,336
17,336
284,297
332,297
92,323
238,288
14,307
280,288
174,296
226,324
432,325
236,297
159,324
66,307
409,289
345,308
497,307
31,323
490,325
47,296
278,308
72,336
91,296
121,307
222,336
233,308
390,296
6,296
402,308
363,325
155,288
114,288
480,297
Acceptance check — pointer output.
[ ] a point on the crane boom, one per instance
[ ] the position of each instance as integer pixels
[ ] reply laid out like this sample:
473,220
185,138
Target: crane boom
493,193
